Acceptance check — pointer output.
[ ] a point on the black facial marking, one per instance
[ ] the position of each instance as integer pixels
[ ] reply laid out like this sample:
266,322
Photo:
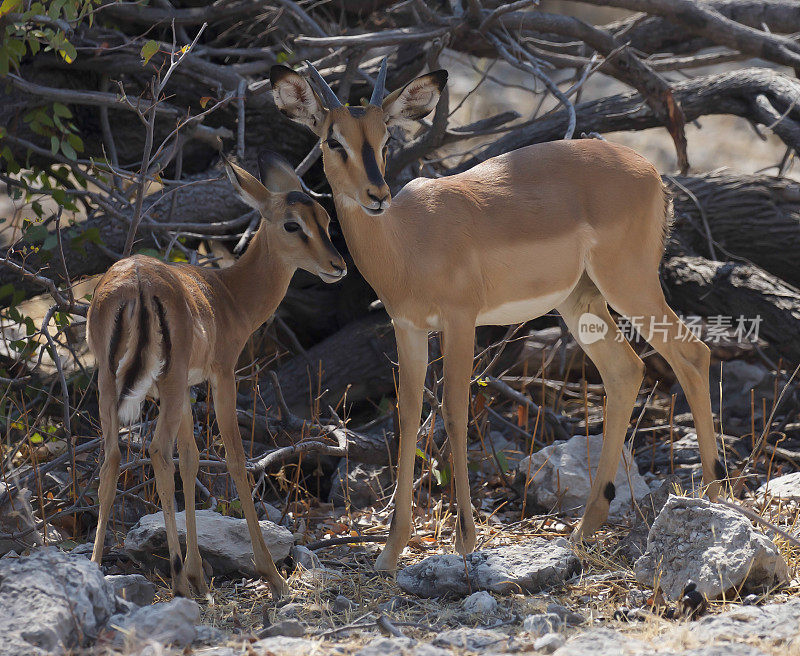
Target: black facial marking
610,492
298,197
370,165
325,239
133,372
719,470
116,336
166,340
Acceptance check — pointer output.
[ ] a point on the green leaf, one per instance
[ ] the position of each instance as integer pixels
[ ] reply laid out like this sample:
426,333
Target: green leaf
50,242
54,143
148,50
68,150
421,454
8,6
61,110
36,233
502,461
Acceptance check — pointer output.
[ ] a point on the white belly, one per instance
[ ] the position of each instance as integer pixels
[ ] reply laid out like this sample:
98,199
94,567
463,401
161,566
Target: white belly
520,311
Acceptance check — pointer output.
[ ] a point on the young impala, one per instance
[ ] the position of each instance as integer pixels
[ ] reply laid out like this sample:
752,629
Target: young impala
570,225
155,329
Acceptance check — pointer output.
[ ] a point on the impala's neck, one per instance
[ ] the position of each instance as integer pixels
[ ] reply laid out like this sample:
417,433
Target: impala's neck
258,280
372,242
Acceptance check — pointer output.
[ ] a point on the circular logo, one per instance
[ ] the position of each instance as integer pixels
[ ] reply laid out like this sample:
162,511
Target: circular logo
591,328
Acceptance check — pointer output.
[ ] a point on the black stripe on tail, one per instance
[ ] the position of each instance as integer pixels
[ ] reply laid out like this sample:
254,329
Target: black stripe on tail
135,370
166,341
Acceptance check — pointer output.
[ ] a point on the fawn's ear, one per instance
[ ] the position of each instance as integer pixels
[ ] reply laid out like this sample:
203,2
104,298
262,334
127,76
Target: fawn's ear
295,98
415,100
276,174
250,190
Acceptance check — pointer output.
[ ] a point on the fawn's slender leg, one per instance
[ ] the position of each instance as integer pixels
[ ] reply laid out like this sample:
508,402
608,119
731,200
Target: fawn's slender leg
622,372
188,462
171,409
412,352
109,472
459,351
224,386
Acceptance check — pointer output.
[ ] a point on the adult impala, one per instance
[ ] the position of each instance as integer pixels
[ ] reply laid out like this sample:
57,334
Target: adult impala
155,329
569,225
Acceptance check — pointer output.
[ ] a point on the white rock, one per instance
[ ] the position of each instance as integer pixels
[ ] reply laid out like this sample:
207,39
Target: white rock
540,624
714,546
400,647
286,646
785,487
603,642
549,642
170,623
524,567
474,640
479,603
224,541
561,476
51,602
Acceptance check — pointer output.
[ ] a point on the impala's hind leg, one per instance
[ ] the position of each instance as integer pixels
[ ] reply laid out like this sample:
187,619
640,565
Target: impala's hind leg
622,372
109,472
640,298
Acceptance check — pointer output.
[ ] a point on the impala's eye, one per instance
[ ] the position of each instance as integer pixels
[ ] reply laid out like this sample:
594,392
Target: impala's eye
291,226
335,145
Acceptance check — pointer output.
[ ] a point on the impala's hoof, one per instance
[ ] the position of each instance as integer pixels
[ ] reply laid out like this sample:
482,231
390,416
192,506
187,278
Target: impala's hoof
385,564
279,588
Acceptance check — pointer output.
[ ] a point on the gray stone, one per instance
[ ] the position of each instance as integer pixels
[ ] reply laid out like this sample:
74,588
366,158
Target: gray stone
540,624
712,545
561,476
400,647
482,453
603,642
304,557
133,587
361,485
285,646
290,611
633,545
473,639
525,567
785,487
224,541
480,603
568,616
51,602
549,642
206,634
16,516
291,628
171,623
720,650
342,604
775,623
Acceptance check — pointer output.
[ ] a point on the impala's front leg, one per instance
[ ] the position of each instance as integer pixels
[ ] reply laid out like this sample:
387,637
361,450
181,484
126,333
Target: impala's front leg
224,386
459,350
412,355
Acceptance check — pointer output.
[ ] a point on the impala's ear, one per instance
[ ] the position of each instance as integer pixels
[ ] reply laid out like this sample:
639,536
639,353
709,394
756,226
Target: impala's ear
250,190
415,100
276,173
296,99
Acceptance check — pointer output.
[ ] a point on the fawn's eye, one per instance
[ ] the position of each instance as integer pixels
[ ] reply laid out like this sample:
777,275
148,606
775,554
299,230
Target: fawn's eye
291,226
335,145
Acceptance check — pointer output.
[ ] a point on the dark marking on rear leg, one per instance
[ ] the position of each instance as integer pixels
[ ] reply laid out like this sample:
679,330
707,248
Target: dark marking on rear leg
166,339
609,492
719,470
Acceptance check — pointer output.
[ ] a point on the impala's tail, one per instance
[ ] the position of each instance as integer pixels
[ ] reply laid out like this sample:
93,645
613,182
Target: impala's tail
143,352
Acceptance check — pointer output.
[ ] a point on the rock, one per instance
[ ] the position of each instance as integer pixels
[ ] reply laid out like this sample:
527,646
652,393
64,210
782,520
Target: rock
567,616
342,604
304,557
400,647
473,639
268,511
290,611
16,515
603,642
785,487
549,642
634,544
360,486
480,603
171,623
51,602
712,545
285,646
526,567
224,541
720,650
483,453
133,587
560,476
291,628
774,623
540,624
206,634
